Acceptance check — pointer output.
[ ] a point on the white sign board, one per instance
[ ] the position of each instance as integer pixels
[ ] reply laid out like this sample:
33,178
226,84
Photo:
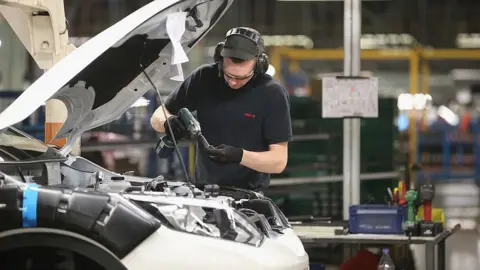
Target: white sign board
349,97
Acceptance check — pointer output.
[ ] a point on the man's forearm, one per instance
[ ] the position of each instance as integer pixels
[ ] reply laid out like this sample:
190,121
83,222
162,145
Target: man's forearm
266,162
158,119
157,125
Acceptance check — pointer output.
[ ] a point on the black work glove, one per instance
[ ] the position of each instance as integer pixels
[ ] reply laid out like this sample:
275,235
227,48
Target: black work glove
178,128
225,154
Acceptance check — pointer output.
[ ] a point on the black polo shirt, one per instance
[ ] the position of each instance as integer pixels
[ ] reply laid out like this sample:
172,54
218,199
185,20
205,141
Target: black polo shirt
252,118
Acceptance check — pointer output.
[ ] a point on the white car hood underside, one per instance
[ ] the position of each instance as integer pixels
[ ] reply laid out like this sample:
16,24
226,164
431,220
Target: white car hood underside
101,79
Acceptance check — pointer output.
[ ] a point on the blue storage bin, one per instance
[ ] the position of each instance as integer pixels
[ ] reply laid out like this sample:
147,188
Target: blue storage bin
377,218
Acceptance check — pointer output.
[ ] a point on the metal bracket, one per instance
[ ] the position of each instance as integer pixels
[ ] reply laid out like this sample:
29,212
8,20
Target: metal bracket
42,28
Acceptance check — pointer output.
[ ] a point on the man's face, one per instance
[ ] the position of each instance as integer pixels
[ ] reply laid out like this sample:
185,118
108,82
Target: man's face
237,74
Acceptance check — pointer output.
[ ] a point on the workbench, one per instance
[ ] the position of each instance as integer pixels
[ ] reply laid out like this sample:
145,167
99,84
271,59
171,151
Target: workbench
318,235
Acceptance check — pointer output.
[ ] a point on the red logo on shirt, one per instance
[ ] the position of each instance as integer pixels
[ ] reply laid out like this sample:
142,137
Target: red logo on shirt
250,115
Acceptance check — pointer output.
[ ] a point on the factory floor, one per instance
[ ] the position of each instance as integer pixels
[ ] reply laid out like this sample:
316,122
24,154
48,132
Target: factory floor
461,201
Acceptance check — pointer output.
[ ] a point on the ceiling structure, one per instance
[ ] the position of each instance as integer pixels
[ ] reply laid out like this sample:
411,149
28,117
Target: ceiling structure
321,21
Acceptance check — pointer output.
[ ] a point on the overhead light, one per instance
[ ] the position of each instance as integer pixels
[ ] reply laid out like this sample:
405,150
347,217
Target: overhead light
288,41
464,96
376,41
414,102
468,40
448,115
402,122
0,43
459,74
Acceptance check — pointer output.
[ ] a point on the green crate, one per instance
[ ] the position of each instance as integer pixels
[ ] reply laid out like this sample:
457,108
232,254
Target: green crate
377,139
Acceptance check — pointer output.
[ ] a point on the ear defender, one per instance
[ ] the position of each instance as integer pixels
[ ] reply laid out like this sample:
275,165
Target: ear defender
218,49
262,64
218,58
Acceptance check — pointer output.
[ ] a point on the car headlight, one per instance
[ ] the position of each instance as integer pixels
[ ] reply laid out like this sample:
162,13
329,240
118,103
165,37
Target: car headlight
228,224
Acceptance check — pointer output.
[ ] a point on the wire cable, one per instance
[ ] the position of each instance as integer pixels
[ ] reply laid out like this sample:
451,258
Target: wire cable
177,151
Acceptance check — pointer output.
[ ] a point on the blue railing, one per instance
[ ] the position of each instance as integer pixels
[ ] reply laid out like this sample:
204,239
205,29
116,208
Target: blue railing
447,153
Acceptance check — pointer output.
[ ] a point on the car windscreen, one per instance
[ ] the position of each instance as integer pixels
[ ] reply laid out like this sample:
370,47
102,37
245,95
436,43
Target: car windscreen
16,146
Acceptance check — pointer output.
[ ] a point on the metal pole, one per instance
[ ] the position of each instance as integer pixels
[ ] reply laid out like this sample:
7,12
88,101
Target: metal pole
347,147
351,127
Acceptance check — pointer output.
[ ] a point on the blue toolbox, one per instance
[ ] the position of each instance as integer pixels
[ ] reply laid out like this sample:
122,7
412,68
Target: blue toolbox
377,218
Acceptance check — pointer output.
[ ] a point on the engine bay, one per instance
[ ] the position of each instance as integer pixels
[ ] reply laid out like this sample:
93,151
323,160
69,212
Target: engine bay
207,210
227,213
221,212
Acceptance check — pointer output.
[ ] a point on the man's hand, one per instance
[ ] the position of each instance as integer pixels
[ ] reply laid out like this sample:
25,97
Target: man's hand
178,128
225,154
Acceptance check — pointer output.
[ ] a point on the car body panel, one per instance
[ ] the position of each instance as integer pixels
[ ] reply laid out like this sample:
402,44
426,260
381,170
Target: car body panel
204,253
279,247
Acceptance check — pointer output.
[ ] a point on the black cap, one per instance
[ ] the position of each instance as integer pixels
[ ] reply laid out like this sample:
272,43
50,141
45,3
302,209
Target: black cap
242,47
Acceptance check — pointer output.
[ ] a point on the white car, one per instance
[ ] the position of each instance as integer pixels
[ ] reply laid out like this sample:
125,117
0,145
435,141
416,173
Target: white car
51,200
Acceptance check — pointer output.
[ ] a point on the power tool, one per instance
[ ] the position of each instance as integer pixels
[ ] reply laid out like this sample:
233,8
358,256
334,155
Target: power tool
189,121
193,127
427,226
410,226
165,145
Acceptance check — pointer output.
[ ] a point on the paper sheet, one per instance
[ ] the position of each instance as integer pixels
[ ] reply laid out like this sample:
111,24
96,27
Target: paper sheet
349,97
175,30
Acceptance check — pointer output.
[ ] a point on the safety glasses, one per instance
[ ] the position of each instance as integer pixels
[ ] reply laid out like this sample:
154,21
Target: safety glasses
236,77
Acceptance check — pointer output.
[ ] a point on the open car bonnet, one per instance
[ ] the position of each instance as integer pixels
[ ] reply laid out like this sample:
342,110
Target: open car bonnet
101,79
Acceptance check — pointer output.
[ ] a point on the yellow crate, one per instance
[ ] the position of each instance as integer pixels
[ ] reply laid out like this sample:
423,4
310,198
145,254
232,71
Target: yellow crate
438,215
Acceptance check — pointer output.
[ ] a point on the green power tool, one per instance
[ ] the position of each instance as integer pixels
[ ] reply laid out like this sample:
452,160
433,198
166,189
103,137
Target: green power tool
410,226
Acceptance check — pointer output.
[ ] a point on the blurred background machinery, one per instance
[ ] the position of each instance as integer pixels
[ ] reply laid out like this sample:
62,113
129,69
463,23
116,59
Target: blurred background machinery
425,53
